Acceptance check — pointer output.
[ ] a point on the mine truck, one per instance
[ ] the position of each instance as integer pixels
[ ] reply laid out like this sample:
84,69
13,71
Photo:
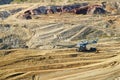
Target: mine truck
87,46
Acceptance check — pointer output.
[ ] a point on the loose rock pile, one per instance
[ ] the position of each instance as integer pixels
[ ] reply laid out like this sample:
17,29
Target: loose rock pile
6,13
12,42
82,8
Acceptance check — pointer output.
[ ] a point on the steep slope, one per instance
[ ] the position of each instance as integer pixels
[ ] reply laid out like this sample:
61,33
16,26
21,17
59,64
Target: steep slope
44,33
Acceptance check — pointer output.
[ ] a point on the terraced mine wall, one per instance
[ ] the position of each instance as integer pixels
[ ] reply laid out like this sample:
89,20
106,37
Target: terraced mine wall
47,36
41,34
61,64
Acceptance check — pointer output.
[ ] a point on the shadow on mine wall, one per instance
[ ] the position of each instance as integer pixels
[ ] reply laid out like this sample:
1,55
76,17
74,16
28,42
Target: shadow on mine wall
5,2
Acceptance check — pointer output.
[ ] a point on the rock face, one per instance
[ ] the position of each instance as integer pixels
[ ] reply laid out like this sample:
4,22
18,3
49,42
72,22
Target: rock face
5,14
9,39
12,42
5,2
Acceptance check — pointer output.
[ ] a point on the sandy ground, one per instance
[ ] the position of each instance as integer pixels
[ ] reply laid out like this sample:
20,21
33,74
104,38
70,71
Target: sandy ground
65,63
61,64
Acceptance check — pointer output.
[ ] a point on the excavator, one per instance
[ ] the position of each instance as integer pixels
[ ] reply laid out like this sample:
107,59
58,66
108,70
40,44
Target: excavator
87,46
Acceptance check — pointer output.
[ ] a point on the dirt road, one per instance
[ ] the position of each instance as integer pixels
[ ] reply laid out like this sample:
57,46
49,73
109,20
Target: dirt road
61,64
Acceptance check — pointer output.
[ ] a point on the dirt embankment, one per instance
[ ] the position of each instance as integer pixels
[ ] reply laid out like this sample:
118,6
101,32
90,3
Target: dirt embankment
46,35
